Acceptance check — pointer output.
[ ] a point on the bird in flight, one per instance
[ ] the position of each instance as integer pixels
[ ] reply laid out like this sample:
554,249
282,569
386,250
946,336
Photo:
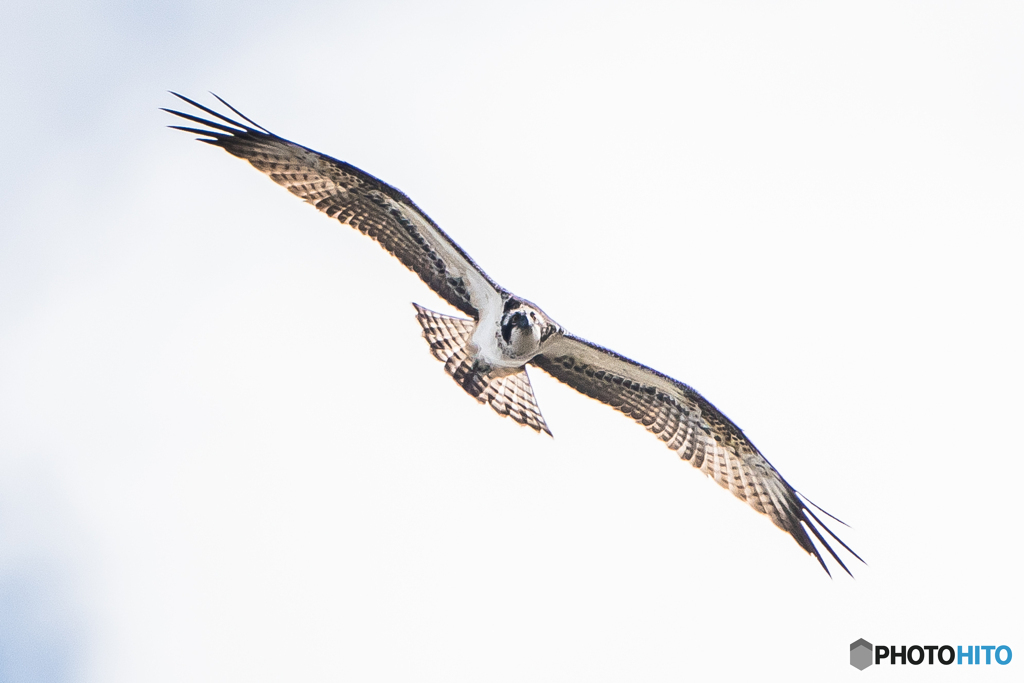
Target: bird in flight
488,353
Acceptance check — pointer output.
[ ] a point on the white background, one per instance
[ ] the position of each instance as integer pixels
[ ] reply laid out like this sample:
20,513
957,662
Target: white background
225,450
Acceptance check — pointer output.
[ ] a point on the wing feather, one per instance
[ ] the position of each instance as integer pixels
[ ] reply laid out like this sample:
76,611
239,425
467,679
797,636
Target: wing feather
355,198
690,425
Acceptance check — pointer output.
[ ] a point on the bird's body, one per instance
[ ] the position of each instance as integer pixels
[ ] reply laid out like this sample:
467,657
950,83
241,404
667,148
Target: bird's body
510,336
488,354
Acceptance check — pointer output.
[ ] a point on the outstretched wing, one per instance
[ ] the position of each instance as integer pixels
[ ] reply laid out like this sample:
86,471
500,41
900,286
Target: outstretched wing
691,426
355,198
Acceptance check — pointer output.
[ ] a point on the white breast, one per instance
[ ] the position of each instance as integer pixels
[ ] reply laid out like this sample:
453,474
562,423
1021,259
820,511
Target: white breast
488,349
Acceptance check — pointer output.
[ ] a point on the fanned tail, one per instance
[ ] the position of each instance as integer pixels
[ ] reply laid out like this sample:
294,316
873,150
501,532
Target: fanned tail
509,393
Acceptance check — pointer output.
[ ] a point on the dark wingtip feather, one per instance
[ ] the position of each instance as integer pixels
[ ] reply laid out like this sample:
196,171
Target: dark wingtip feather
237,128
824,511
812,521
244,117
216,115
188,100
200,131
831,551
832,534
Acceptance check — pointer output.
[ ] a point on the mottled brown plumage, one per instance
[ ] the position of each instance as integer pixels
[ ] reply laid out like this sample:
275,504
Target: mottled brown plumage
689,425
352,196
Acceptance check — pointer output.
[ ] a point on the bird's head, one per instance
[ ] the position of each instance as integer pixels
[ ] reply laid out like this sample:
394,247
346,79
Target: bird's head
521,328
518,322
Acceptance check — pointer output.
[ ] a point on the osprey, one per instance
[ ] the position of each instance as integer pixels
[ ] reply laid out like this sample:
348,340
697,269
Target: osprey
487,354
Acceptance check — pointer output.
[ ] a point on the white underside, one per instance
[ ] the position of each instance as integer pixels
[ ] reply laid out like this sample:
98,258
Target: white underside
485,340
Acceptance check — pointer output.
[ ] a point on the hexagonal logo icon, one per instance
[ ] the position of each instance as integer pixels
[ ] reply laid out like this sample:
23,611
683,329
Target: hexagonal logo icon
860,654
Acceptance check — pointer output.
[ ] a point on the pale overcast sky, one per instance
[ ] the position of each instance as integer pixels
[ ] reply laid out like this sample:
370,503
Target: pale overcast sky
227,454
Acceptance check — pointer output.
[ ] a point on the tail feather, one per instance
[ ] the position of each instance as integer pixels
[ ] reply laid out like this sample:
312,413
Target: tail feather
512,395
508,394
445,334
